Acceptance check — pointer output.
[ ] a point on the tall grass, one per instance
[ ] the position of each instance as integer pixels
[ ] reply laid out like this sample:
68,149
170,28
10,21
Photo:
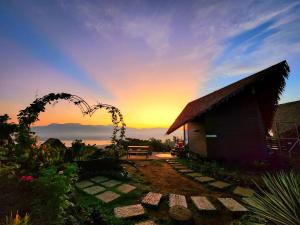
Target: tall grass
279,202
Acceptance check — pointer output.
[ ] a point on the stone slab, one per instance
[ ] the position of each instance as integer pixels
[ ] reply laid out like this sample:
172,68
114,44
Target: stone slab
111,183
232,205
84,184
219,184
152,199
202,203
94,190
148,222
194,175
125,188
186,171
175,199
129,211
204,179
181,167
99,179
245,192
107,196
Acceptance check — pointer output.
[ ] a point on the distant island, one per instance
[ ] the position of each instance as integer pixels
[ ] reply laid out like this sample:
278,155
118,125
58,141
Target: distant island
71,131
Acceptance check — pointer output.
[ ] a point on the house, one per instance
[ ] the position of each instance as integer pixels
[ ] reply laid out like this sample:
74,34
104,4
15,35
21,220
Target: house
232,123
286,119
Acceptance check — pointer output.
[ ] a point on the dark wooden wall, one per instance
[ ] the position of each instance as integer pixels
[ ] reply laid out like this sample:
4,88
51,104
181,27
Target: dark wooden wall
196,138
239,127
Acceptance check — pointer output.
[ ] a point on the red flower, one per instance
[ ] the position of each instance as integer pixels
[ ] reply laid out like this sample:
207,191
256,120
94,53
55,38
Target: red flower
27,178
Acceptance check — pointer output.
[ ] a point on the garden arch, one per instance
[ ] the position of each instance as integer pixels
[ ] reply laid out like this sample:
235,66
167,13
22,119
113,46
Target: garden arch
31,113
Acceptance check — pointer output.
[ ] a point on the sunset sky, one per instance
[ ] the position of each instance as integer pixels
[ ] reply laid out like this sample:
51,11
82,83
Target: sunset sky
149,58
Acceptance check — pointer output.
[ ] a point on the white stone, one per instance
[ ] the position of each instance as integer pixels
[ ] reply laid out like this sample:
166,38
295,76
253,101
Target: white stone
202,203
125,188
204,179
219,184
94,190
175,199
148,222
194,174
99,179
186,171
152,199
84,184
111,183
129,211
245,192
232,205
107,196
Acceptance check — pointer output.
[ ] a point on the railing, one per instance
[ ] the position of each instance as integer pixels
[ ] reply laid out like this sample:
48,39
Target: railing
283,143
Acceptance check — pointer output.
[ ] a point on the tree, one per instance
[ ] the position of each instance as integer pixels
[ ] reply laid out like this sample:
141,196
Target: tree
6,130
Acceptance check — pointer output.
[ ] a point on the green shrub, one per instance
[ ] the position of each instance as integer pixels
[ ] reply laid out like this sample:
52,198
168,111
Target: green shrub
104,166
280,202
52,189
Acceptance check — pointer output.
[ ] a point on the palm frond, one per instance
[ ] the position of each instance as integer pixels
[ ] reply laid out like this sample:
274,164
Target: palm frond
280,202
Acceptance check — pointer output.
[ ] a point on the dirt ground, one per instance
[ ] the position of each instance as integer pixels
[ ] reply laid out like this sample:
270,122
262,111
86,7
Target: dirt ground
162,178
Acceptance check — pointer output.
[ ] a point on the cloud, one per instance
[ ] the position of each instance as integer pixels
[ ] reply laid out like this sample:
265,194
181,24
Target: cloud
154,31
108,20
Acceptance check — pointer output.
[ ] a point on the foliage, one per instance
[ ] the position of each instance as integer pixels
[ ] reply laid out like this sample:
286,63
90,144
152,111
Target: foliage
249,219
52,189
103,166
116,119
280,202
6,130
17,220
80,151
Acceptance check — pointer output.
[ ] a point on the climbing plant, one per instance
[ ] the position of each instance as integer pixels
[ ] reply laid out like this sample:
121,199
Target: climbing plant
118,125
30,114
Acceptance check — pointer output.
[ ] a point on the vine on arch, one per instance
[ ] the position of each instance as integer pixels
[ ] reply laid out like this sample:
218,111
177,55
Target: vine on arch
31,113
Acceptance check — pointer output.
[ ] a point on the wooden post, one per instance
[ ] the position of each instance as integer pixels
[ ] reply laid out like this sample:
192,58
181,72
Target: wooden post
184,135
278,135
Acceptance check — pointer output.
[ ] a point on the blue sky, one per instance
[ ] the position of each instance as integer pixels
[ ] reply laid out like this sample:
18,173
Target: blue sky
147,57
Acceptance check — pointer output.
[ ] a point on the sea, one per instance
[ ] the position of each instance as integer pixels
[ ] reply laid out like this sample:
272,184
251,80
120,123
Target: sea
98,143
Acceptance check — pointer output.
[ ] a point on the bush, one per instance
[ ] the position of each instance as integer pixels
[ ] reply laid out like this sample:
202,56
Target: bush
90,168
52,189
281,202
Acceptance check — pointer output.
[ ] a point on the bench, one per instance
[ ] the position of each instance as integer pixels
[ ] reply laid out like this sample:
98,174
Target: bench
138,150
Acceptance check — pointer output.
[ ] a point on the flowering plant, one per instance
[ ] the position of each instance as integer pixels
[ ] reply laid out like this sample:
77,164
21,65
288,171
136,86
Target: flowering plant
27,178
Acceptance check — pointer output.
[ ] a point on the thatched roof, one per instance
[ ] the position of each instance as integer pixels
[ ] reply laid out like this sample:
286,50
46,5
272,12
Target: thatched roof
287,115
268,85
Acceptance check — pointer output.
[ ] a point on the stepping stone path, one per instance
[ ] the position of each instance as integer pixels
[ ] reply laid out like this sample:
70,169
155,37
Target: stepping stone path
245,192
129,211
84,184
111,183
107,196
202,203
186,171
148,222
204,179
152,199
94,190
177,200
194,174
99,179
125,188
232,205
219,184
